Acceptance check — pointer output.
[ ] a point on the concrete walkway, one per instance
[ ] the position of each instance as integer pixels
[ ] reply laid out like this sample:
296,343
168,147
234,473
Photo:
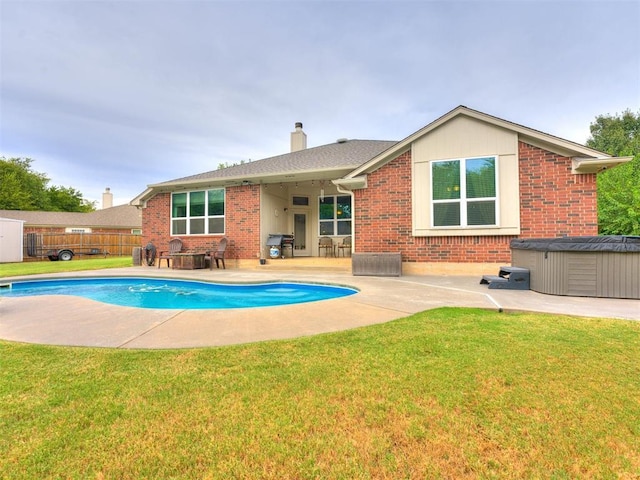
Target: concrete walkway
67,320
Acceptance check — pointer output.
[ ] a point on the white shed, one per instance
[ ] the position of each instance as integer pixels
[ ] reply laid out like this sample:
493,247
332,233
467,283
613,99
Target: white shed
11,240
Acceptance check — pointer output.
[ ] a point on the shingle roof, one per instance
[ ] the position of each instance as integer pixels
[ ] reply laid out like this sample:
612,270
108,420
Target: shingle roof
123,216
341,155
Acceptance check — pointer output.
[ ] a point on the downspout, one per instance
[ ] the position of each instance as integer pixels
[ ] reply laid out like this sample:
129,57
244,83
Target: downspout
360,182
353,219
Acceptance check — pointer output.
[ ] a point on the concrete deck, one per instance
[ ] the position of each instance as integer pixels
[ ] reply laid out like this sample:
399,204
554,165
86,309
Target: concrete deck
74,321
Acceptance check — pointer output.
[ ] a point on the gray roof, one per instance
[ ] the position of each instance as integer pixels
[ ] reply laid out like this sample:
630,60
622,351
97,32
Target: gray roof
342,155
123,216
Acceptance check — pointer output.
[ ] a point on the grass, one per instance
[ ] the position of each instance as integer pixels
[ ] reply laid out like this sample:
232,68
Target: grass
448,393
75,265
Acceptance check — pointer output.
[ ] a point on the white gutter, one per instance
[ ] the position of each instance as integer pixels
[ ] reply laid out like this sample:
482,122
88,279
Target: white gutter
357,182
351,183
596,165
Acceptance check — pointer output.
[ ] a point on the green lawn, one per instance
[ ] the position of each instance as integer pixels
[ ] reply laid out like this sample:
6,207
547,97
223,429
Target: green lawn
75,265
448,393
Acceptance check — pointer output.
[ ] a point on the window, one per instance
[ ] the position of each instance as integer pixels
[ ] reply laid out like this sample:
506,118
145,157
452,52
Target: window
464,192
300,201
197,213
335,215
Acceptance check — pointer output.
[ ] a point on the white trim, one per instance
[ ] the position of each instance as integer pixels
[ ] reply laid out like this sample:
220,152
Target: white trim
591,165
336,221
551,143
187,219
351,183
463,201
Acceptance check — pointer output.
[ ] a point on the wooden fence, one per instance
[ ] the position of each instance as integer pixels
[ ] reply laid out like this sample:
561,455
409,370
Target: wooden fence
36,245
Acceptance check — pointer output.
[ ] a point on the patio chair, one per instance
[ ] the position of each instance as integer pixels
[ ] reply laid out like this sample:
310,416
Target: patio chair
345,246
326,244
175,246
218,255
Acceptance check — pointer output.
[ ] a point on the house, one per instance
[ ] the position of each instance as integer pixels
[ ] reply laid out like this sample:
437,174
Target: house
124,219
448,197
113,229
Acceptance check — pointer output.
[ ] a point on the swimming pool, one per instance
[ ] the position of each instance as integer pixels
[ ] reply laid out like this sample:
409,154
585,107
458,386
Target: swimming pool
143,292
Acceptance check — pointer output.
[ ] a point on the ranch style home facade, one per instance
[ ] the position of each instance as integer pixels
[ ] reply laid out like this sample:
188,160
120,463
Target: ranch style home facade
449,197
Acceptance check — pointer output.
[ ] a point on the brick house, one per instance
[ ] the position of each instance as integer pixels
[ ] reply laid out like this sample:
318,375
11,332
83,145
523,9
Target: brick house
123,219
114,229
447,197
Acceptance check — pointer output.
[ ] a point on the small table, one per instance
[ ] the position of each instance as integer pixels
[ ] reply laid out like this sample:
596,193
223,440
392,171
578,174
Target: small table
187,261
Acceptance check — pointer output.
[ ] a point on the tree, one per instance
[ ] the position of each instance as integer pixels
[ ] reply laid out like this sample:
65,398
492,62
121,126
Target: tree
67,199
21,188
618,188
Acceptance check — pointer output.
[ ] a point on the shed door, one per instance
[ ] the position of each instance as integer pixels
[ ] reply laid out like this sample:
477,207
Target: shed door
10,241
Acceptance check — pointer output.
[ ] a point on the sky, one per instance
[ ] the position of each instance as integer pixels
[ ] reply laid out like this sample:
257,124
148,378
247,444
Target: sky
124,94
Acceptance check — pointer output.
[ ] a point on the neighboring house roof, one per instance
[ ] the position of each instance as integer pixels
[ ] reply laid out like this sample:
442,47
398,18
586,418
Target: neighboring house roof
123,216
317,163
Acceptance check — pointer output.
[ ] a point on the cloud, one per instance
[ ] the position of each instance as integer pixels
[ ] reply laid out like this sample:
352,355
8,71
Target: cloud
133,93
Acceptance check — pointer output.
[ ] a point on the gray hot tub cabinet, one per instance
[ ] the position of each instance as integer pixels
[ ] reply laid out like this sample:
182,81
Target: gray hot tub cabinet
605,266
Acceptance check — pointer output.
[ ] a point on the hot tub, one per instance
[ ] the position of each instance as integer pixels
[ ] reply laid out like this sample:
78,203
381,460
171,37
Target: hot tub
606,266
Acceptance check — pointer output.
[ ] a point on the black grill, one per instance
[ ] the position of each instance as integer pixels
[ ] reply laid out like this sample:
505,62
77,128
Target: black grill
281,240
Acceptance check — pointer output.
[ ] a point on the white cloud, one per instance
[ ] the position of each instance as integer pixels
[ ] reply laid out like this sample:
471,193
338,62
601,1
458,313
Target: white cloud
133,93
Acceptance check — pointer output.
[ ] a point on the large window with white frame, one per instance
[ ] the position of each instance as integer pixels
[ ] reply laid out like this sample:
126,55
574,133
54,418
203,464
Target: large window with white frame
334,213
464,192
198,212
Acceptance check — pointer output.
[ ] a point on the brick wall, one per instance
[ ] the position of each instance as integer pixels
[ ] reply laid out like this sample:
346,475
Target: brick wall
242,224
554,202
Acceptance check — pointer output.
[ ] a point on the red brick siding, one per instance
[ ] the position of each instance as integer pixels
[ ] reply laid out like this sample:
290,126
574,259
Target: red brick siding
156,221
383,209
554,202
242,224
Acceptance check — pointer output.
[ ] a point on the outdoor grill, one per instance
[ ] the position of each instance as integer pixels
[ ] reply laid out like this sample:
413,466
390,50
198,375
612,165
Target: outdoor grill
279,241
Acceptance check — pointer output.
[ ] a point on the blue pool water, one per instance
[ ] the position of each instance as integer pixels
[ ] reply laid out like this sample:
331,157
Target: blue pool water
178,294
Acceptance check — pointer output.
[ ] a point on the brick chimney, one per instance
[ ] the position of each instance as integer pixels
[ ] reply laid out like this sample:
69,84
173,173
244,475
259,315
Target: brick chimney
107,199
298,139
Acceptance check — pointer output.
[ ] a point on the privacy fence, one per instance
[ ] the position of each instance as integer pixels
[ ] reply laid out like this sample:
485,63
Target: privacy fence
37,245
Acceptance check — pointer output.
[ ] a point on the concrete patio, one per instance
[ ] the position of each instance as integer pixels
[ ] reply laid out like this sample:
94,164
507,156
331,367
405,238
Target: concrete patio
74,321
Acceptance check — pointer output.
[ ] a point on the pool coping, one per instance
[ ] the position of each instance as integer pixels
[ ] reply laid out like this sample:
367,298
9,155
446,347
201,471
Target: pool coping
74,321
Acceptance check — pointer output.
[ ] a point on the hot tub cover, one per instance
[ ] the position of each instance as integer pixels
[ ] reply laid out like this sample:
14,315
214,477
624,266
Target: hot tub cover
606,243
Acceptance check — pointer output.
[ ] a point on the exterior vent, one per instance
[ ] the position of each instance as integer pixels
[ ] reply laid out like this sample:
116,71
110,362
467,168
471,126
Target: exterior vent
342,140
